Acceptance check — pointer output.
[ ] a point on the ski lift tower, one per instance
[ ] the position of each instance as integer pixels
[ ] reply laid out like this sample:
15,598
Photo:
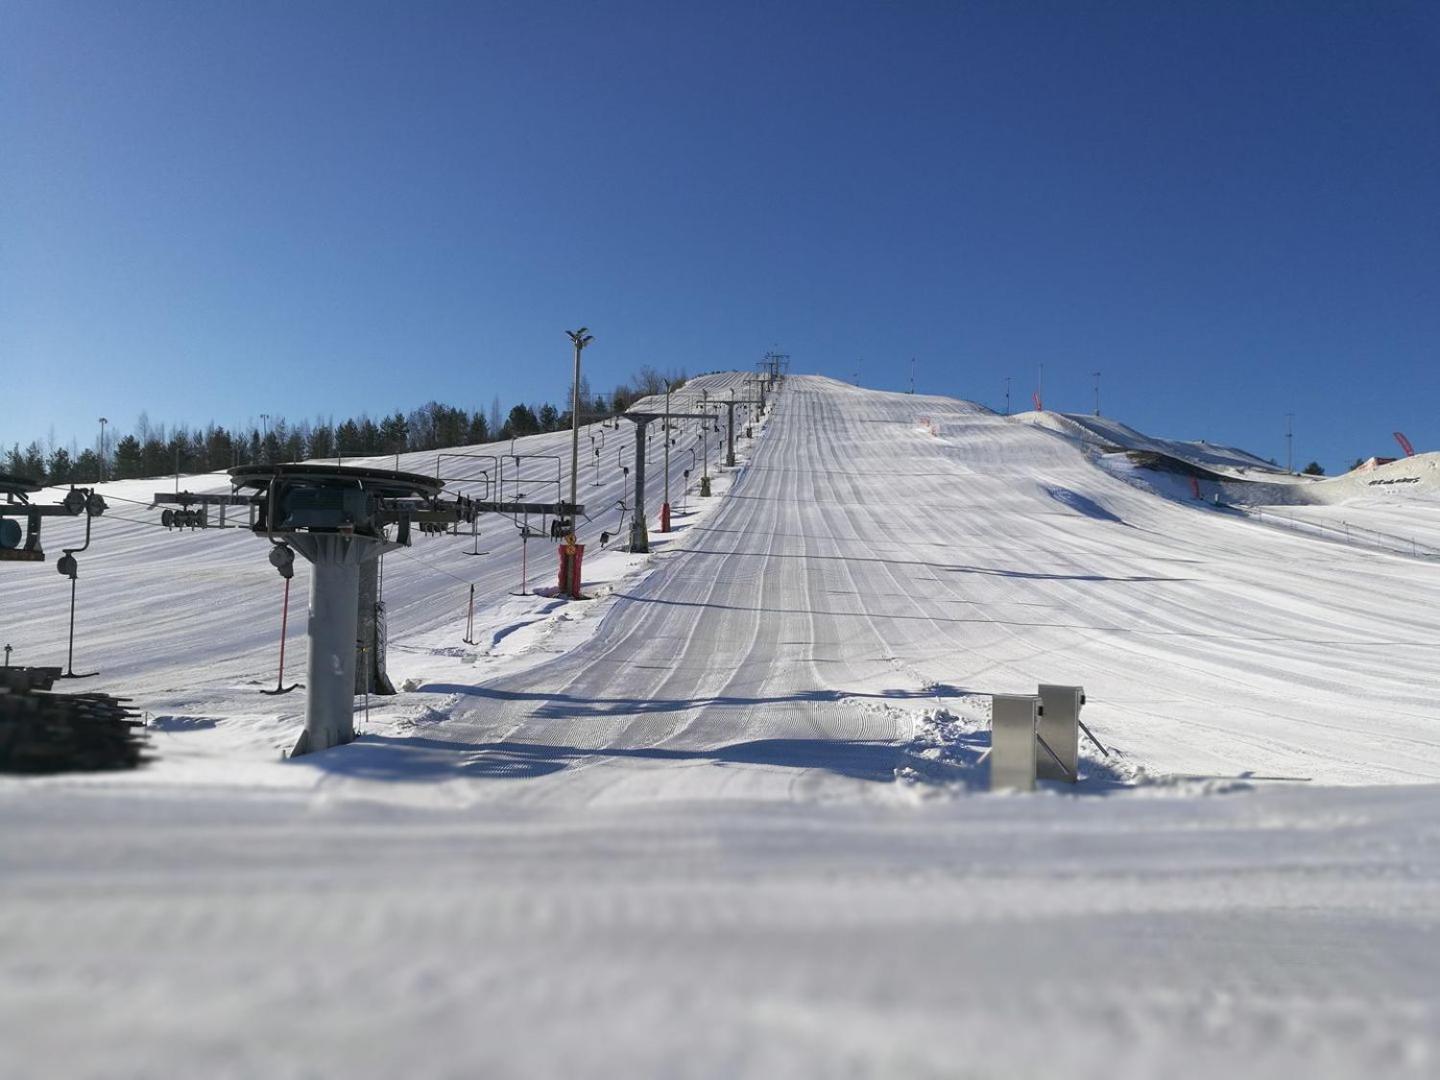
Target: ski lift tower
642,418
775,365
336,517
730,404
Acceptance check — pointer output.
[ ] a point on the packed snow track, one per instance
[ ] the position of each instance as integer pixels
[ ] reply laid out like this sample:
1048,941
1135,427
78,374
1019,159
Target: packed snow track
726,818
866,572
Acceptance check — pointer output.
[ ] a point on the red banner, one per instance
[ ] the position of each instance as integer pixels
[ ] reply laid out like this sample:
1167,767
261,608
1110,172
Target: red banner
1404,444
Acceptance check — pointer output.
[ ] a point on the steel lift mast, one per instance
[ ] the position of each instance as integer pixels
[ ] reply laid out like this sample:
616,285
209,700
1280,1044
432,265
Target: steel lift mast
340,519
642,418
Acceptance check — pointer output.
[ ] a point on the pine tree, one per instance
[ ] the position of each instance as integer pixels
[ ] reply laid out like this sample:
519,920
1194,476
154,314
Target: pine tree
479,431
369,436
347,439
522,421
128,459
59,468
394,433
87,468
322,440
15,462
34,462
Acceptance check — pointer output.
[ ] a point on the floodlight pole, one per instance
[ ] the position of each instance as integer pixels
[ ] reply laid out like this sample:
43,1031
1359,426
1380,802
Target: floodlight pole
1007,395
579,338
1097,393
665,431
103,422
1289,442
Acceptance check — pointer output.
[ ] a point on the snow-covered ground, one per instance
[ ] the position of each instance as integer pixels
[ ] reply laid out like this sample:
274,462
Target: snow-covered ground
727,817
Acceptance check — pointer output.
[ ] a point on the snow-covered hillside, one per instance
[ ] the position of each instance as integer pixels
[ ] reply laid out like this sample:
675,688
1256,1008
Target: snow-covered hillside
728,817
1110,434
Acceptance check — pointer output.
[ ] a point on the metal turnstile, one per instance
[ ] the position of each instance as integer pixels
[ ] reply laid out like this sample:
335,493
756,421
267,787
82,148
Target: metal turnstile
1059,729
1013,748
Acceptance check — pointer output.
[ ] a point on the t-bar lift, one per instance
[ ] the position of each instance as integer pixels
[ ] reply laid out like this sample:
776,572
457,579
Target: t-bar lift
338,518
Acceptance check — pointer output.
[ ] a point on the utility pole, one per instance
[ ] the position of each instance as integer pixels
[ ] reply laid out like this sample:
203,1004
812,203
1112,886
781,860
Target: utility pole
1289,442
1007,395
1040,388
103,422
1097,392
912,375
665,509
579,338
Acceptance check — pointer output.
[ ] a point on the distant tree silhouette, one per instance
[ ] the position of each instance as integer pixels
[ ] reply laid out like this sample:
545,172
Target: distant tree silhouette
151,451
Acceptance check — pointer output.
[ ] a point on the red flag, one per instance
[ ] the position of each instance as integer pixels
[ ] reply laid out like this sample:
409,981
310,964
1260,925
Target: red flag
1404,444
1036,398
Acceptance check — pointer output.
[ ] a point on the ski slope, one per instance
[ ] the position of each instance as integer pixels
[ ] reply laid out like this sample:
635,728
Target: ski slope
863,570
727,818
209,602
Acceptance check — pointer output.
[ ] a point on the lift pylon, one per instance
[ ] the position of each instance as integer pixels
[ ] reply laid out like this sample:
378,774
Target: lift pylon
642,418
338,518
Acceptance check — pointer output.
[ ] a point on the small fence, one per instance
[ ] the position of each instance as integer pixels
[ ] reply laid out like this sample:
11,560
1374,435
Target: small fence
1344,532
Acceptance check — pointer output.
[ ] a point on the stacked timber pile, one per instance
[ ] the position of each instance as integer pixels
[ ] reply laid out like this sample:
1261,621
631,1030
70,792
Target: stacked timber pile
44,732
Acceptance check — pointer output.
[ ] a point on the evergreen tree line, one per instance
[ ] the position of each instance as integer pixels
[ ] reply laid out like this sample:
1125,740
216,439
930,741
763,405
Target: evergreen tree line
152,451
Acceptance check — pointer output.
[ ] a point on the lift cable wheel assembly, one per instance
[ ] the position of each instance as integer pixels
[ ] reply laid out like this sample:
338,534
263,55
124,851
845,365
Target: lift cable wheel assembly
18,546
41,731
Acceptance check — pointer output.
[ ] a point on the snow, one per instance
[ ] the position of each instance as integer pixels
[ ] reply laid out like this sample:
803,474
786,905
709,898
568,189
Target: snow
729,816
1110,434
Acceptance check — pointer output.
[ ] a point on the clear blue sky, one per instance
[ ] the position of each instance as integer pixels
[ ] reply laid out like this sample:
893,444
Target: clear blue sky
214,210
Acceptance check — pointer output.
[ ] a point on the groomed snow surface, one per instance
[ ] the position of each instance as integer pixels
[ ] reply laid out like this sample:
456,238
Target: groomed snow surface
728,817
